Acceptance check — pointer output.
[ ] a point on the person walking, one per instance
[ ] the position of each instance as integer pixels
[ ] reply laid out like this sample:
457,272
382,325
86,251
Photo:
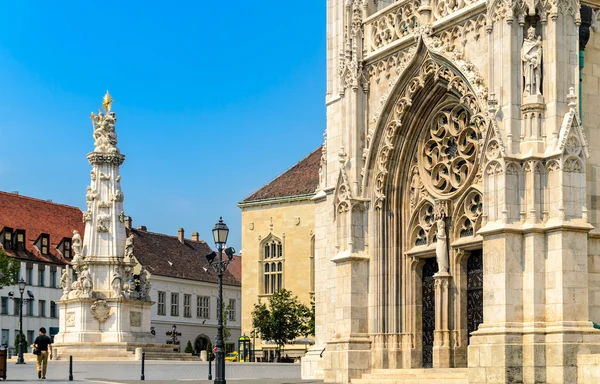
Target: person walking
43,344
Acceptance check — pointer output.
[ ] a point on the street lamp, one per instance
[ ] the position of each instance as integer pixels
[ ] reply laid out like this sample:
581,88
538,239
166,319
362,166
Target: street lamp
220,233
21,284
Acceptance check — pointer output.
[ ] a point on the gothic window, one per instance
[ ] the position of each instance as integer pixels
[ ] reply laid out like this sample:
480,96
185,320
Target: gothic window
468,214
447,161
273,266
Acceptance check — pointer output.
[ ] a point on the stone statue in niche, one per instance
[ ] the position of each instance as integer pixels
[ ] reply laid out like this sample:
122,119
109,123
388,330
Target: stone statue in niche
531,56
144,284
441,247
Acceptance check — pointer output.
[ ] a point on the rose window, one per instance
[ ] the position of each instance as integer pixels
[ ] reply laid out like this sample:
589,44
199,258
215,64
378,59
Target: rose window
449,151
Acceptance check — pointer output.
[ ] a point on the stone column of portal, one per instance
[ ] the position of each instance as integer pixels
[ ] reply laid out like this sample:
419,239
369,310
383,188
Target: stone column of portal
441,335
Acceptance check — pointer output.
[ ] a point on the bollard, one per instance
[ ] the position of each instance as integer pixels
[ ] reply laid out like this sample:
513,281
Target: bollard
70,368
209,368
143,359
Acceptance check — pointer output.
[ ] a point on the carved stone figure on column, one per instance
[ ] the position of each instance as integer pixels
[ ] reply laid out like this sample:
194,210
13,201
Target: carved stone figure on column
64,283
116,283
531,56
76,244
128,248
144,284
441,247
85,280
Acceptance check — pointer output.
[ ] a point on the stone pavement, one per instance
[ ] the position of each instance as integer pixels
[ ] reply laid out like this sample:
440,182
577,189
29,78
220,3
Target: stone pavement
157,371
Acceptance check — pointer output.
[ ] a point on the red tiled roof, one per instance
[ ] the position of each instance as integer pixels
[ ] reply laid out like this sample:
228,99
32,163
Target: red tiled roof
301,179
36,217
165,255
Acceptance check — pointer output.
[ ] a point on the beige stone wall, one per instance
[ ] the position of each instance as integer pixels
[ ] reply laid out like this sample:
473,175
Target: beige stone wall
291,221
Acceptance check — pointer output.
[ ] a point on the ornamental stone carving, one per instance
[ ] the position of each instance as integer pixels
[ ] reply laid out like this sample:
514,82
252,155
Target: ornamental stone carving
448,151
100,310
76,243
105,136
135,319
70,320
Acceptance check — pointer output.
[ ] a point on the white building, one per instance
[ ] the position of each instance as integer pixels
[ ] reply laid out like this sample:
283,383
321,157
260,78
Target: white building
185,290
38,234
184,287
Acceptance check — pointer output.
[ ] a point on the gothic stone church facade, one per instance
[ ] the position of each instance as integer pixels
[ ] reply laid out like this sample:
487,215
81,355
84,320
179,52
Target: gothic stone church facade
457,218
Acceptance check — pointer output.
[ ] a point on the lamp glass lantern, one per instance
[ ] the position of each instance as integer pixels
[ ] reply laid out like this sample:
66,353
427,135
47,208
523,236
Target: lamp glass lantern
21,285
220,232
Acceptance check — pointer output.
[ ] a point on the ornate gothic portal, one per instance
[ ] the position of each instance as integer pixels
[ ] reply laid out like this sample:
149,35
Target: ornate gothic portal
457,137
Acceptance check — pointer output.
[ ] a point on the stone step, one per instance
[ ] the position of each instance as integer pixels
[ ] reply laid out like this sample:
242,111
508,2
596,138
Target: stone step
171,356
415,376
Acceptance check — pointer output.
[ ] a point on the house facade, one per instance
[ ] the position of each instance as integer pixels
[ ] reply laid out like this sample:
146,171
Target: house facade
278,244
184,288
38,235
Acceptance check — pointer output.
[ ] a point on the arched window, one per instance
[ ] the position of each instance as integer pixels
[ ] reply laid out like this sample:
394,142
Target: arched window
273,266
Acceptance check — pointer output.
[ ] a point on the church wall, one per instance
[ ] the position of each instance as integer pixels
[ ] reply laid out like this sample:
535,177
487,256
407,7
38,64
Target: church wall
591,123
291,222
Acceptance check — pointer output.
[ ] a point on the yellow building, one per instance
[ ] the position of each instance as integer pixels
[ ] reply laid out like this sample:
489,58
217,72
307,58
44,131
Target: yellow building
278,243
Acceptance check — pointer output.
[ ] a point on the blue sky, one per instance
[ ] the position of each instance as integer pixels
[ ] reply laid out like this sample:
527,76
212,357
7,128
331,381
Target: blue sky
213,99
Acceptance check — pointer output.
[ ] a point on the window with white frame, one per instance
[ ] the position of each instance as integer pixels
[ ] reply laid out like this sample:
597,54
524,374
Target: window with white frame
42,308
231,316
174,304
162,296
203,307
187,311
272,266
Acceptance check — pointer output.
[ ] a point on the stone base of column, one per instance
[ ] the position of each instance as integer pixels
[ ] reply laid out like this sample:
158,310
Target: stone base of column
442,356
312,363
547,355
347,358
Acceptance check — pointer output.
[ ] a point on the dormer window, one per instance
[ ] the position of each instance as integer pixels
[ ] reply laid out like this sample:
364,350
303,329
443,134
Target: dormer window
65,247
19,240
45,243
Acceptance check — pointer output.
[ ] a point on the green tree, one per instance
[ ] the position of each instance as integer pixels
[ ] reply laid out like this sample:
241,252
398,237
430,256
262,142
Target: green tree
9,270
226,330
209,351
189,348
17,339
283,320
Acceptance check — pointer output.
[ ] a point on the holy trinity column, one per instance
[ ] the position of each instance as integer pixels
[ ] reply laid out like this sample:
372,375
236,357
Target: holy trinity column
108,301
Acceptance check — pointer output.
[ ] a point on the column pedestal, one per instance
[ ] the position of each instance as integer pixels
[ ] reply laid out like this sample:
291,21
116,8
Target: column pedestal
441,337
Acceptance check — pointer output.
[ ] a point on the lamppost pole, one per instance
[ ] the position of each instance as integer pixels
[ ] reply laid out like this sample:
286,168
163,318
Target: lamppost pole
220,368
20,359
21,284
220,233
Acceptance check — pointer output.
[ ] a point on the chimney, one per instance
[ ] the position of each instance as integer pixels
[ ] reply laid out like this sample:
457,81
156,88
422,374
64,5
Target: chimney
180,235
142,228
128,222
195,236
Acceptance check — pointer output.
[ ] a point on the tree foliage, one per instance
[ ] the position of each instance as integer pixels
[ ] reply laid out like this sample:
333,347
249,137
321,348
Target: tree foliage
9,270
226,330
17,339
283,320
189,348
